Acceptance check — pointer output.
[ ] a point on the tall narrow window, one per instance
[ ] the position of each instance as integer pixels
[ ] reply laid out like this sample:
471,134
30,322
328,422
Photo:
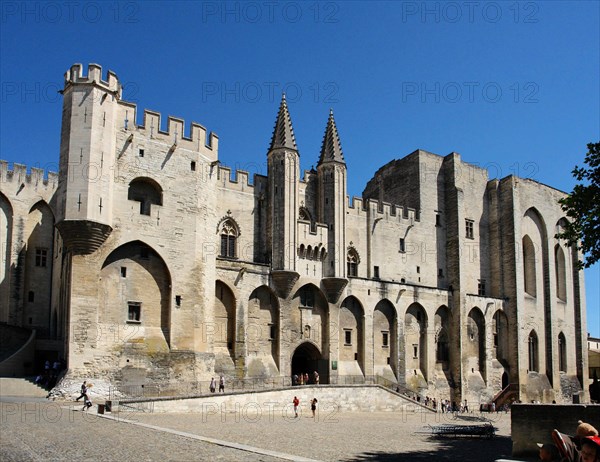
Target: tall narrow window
376,272
533,352
229,236
529,269
385,341
347,337
481,287
469,229
352,261
402,245
561,283
562,353
41,257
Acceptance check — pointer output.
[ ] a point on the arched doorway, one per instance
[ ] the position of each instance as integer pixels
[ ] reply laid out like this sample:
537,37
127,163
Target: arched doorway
504,380
307,359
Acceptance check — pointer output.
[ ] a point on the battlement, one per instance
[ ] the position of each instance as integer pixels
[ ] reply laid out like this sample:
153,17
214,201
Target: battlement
94,76
239,180
380,209
196,140
197,136
19,175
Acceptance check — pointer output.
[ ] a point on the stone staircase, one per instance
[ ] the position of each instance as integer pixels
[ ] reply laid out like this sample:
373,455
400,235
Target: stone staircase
507,395
21,387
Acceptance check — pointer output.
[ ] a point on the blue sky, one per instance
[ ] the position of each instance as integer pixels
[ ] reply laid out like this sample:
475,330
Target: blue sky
511,86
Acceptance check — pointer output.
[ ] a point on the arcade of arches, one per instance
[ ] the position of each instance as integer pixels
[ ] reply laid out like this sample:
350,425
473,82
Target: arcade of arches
304,333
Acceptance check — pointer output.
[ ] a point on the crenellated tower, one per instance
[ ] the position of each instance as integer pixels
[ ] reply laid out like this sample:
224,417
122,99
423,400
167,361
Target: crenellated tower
283,173
87,150
331,172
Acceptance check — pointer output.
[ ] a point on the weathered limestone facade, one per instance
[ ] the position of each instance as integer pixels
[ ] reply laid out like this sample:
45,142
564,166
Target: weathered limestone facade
161,267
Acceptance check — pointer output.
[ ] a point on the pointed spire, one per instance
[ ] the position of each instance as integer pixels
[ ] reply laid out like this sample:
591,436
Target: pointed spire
331,149
283,133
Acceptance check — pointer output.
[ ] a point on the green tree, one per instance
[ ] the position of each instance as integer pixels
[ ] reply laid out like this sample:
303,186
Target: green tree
582,207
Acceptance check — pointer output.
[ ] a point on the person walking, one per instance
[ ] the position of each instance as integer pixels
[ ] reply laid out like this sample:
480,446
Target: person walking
213,385
222,384
296,402
313,406
83,392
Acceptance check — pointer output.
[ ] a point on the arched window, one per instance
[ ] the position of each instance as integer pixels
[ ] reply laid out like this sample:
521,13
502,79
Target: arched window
303,214
145,191
529,270
562,353
301,251
309,252
229,234
533,352
559,264
352,260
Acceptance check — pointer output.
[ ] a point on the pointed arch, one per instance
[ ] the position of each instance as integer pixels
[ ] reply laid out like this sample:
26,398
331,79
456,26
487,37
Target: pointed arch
352,260
262,329
309,319
560,273
39,255
533,350
475,342
304,214
352,336
442,337
229,232
415,338
225,315
6,227
385,337
562,353
135,288
500,336
529,266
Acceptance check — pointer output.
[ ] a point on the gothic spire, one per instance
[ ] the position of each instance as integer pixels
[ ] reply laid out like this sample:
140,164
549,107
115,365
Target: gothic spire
331,149
283,133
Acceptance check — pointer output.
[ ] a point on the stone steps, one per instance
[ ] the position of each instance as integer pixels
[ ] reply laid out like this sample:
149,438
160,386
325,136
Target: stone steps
21,388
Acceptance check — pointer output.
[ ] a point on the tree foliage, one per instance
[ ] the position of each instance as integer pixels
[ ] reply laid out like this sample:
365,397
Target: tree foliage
582,206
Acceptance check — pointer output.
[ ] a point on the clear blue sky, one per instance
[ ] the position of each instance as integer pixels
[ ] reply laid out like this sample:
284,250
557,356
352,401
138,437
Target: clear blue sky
511,86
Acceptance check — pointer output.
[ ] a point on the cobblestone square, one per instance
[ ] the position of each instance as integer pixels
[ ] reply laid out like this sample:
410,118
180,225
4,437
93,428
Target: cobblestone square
57,431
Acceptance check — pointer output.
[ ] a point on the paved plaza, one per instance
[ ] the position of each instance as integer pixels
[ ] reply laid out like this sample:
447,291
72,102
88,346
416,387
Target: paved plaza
53,431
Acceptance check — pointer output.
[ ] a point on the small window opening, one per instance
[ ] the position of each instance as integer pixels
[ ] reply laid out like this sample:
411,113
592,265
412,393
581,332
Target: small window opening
134,312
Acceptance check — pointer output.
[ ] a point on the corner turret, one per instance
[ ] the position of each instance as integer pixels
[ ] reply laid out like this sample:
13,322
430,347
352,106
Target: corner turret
87,156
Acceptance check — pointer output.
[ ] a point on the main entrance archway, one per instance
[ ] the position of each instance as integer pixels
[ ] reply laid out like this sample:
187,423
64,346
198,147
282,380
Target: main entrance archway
307,359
